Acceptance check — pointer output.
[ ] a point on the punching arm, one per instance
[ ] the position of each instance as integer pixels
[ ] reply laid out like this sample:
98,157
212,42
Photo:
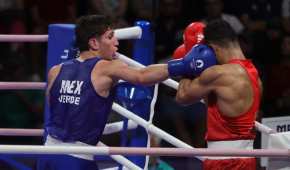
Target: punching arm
149,75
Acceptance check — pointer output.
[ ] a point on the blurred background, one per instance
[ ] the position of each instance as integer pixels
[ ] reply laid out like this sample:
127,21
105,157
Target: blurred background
263,27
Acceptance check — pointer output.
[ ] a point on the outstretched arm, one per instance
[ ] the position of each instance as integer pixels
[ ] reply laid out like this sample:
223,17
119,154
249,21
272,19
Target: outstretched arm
145,76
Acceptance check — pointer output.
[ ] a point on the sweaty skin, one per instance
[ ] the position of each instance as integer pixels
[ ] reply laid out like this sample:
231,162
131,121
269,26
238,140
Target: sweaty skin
229,82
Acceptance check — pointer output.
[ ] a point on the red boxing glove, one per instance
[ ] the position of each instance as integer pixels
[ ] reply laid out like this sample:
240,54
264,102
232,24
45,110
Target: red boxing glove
179,52
193,34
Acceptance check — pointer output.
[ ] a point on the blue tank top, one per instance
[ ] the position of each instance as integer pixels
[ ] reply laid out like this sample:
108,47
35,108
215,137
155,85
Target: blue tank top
77,112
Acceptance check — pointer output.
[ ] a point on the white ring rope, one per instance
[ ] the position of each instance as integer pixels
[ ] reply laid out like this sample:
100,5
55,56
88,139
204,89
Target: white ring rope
184,152
23,38
109,129
22,85
152,112
128,33
20,132
118,126
123,33
113,168
121,159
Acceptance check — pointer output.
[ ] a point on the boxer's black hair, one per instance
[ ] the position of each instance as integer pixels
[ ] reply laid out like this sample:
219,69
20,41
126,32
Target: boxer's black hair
90,26
219,32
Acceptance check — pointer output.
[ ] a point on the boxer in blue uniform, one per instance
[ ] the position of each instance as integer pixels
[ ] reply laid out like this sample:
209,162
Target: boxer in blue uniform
80,91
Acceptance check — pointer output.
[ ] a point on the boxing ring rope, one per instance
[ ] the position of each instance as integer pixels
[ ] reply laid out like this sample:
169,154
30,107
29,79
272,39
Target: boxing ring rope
182,152
109,129
22,85
152,112
23,38
123,33
121,159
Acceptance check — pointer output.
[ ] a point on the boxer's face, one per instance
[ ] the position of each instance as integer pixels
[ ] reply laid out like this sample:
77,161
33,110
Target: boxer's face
105,46
108,45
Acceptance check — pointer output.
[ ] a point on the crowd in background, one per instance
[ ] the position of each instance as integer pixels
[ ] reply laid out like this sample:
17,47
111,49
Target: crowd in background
262,25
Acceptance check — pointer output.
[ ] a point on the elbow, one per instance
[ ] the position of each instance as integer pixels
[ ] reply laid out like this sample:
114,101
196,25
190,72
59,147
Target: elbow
181,98
185,98
178,100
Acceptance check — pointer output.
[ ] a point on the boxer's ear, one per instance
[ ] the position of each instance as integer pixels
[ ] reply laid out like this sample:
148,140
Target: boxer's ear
216,48
93,44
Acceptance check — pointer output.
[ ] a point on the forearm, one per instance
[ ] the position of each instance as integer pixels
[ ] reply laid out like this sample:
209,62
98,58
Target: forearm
182,91
191,91
154,73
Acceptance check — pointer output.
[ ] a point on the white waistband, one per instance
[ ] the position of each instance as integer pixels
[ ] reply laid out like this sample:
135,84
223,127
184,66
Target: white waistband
52,141
234,144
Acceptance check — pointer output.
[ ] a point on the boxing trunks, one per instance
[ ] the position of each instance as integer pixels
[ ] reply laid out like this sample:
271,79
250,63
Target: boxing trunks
233,132
77,114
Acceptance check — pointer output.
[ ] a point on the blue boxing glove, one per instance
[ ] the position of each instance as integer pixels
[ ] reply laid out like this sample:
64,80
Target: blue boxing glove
199,58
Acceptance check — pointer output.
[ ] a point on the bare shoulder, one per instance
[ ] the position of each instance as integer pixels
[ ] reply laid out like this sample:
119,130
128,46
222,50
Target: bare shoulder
214,70
118,64
53,72
111,64
104,76
110,67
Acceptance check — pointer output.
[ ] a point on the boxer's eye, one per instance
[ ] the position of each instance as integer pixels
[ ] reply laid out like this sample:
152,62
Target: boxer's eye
111,35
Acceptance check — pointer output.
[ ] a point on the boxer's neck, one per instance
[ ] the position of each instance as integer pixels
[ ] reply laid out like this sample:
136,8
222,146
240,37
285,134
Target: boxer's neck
88,55
230,53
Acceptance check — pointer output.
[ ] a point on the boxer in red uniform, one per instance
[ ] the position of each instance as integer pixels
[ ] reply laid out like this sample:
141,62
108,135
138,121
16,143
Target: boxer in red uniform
232,91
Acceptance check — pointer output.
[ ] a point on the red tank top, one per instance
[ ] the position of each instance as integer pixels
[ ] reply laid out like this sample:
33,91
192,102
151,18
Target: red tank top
220,127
